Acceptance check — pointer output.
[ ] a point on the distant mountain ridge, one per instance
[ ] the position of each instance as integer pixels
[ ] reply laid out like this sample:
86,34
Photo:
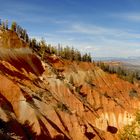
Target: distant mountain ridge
116,58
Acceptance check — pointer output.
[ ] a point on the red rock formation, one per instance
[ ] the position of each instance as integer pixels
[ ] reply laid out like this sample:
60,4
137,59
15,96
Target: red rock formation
10,39
67,101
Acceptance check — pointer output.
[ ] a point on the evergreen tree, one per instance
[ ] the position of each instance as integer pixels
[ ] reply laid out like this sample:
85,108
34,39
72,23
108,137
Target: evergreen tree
0,22
3,25
6,24
14,26
42,48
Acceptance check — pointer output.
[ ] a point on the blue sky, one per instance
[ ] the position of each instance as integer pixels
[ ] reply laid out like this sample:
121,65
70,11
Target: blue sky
105,28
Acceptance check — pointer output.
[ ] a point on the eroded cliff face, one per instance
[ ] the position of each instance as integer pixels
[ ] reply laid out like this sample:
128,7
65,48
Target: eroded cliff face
60,99
10,39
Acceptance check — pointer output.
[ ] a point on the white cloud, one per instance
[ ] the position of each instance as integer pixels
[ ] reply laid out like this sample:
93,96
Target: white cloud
129,16
98,40
100,31
133,17
103,41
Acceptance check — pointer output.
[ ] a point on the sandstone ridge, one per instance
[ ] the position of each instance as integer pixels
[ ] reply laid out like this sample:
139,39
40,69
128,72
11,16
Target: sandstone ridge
60,100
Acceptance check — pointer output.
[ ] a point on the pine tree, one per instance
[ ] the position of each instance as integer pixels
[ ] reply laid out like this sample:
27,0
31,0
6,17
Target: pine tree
42,48
14,26
3,25
0,22
6,24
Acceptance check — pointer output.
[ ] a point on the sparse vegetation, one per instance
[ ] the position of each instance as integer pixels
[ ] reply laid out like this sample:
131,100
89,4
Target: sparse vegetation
15,28
123,73
132,131
78,89
63,107
71,80
43,49
89,79
133,93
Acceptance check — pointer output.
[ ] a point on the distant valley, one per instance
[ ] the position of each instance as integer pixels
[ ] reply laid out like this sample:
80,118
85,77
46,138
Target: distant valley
129,62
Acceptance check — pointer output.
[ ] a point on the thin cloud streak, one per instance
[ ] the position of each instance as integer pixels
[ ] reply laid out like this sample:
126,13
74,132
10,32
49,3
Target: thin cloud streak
100,31
100,27
110,41
129,16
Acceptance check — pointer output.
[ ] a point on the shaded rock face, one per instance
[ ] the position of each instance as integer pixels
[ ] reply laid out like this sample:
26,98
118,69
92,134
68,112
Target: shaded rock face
61,100
112,129
22,59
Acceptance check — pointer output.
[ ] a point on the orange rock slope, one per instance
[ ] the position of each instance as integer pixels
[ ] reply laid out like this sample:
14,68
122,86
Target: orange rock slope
61,99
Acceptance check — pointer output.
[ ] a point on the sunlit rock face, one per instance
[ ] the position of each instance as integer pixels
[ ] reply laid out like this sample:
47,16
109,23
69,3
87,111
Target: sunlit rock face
115,119
10,39
61,99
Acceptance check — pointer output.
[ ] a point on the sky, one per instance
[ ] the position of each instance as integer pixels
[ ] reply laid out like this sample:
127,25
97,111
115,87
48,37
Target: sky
105,28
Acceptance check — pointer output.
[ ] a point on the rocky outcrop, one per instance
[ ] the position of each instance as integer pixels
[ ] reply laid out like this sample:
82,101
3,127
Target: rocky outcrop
10,39
61,99
20,61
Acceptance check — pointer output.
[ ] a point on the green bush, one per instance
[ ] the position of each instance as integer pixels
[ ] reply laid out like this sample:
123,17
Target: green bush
132,131
133,93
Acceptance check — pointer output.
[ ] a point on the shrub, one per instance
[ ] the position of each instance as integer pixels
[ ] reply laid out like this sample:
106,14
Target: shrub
133,93
63,107
132,131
